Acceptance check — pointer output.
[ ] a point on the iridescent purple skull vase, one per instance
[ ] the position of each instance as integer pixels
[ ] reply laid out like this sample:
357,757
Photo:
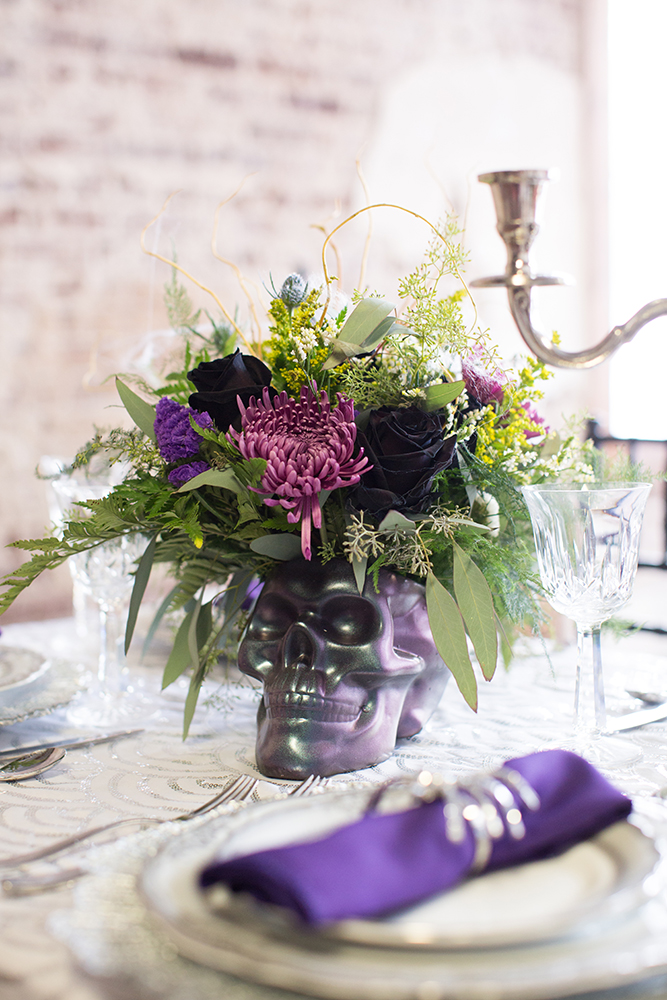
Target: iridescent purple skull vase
345,674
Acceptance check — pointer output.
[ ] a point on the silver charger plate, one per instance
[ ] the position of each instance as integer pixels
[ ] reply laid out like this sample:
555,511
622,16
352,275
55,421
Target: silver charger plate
32,685
593,881
142,916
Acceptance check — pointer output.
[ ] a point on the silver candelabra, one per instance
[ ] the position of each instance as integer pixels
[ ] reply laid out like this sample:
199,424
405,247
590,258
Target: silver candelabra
516,194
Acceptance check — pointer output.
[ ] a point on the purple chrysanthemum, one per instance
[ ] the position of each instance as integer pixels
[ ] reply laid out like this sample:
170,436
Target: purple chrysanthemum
309,448
176,438
184,473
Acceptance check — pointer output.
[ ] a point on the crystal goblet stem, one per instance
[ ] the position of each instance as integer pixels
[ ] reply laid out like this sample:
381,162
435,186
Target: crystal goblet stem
590,713
109,666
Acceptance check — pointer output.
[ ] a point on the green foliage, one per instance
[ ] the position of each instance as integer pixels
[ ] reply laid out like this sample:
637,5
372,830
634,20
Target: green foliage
371,385
436,319
180,310
449,636
197,345
215,533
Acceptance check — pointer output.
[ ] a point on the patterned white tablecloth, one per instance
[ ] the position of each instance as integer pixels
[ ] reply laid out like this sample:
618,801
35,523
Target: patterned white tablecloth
157,774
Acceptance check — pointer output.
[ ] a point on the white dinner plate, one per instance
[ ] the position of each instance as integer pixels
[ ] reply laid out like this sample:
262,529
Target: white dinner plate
19,668
516,922
32,685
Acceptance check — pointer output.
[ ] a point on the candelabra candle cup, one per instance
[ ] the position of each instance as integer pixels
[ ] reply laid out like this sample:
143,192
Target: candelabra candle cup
587,544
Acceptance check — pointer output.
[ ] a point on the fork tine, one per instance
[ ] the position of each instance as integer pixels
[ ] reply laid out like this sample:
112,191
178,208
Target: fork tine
309,784
237,791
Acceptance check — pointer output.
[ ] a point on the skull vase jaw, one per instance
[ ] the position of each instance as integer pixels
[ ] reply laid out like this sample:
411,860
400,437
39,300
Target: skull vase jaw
345,674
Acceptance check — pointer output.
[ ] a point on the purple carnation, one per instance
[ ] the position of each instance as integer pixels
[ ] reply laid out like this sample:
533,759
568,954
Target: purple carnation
176,438
184,473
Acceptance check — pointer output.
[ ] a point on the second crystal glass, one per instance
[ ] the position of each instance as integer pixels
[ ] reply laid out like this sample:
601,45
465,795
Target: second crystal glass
587,543
105,575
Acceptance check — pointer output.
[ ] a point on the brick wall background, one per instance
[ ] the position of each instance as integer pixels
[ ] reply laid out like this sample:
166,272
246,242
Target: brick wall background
105,108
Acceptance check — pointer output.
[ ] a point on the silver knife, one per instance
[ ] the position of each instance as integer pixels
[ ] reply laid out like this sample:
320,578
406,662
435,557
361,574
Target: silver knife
633,720
67,744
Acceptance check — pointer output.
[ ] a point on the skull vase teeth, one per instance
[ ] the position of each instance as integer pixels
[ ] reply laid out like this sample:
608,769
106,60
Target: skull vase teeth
344,674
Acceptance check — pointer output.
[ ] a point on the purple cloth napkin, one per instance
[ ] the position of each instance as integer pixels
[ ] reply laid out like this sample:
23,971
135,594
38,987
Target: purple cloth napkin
384,862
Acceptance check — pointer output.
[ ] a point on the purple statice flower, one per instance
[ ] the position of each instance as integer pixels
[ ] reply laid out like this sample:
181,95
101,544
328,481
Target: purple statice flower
184,473
176,438
536,419
485,387
308,447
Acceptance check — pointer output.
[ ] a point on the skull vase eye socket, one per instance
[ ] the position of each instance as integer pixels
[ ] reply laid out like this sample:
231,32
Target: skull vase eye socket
344,674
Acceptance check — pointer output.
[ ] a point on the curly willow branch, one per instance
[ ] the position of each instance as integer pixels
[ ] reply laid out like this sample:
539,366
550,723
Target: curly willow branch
367,208
239,277
322,226
369,234
172,263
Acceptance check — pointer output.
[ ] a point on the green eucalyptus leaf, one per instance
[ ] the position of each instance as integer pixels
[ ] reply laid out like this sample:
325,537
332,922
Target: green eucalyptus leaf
139,589
364,319
381,331
359,569
196,682
281,547
141,412
193,634
223,478
340,351
442,393
450,637
179,658
159,615
357,333
235,592
204,625
394,519
506,650
475,603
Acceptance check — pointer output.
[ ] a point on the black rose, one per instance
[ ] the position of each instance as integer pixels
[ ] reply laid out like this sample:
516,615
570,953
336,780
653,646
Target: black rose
406,449
219,382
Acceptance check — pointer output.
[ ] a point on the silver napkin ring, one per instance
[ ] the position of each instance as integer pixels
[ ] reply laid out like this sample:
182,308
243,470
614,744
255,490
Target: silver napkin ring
484,804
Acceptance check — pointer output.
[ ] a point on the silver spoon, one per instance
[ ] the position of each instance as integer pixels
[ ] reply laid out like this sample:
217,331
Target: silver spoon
30,764
648,697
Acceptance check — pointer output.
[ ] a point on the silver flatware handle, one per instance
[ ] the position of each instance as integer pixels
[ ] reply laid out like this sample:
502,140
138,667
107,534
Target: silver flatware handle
634,720
30,885
6,756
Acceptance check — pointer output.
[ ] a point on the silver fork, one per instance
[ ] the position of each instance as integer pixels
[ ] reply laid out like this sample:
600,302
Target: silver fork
312,783
27,885
237,790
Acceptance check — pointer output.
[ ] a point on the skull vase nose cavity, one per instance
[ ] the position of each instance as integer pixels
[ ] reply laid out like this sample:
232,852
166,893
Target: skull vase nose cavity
299,647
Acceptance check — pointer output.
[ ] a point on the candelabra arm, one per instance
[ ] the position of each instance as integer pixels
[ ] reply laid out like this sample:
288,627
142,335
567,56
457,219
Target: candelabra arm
516,194
519,301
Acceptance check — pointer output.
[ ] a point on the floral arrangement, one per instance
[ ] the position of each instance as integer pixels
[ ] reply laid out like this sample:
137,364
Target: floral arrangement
356,430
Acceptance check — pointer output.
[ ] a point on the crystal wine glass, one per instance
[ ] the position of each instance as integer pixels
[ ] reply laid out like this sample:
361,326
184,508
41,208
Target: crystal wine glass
104,575
587,544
